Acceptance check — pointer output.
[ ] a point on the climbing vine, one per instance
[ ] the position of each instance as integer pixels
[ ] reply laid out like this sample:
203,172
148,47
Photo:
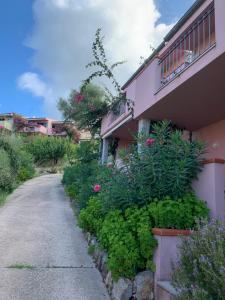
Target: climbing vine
105,69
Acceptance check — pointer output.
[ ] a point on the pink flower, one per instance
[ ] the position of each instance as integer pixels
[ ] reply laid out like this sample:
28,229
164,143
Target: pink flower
2,127
97,188
150,141
79,98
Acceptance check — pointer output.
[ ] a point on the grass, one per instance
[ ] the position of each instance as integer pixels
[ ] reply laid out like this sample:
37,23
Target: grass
20,267
3,196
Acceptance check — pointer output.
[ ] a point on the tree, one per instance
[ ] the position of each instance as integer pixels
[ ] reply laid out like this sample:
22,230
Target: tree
45,148
91,103
86,108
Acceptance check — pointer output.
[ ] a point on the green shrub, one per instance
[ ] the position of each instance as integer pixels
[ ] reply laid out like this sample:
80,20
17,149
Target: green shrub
47,149
6,176
3,196
71,191
200,274
166,167
81,177
87,151
26,168
15,163
180,214
12,145
127,238
91,218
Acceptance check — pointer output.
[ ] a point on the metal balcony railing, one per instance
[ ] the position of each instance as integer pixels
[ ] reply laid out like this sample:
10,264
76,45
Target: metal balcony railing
196,40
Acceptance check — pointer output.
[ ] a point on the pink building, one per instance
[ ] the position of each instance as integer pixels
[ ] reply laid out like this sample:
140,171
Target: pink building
183,81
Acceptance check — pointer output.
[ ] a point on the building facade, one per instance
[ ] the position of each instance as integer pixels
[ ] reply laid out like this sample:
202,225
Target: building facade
183,81
40,126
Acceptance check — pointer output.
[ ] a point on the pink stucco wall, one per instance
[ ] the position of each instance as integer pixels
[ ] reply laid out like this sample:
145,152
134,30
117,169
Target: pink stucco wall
124,144
214,137
210,188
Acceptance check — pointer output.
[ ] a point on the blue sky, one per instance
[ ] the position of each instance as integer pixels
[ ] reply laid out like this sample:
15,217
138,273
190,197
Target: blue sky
25,49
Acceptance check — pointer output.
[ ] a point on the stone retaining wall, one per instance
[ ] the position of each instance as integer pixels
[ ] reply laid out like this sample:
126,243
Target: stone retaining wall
141,288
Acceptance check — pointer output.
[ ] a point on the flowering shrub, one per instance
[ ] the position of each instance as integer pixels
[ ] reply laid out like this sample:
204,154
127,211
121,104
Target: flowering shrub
150,141
86,107
79,98
97,188
167,166
153,189
201,271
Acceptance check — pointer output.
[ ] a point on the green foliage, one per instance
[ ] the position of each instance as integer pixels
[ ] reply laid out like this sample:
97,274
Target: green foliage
26,169
87,151
201,270
126,208
3,196
167,167
180,214
126,237
88,112
11,144
80,179
91,218
82,175
44,148
6,176
16,164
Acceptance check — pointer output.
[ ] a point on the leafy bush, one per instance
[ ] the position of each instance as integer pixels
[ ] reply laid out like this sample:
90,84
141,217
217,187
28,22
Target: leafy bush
81,178
6,177
44,148
201,271
127,235
26,169
91,218
180,214
166,166
15,163
87,151
12,145
82,175
127,238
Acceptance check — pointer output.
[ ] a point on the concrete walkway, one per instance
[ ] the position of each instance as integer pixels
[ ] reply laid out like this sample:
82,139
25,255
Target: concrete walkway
37,229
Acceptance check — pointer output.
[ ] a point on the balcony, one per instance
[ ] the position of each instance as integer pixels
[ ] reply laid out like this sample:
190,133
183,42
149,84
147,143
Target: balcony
35,129
119,111
191,45
112,122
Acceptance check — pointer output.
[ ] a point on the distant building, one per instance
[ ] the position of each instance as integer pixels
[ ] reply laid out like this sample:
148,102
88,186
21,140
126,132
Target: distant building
42,126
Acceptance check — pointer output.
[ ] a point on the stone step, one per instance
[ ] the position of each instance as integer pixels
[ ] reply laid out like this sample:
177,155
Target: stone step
165,290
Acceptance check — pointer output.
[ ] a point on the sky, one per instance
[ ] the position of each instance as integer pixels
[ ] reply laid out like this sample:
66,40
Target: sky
45,45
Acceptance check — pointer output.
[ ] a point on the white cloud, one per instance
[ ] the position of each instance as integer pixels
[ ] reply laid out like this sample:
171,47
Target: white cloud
31,82
63,33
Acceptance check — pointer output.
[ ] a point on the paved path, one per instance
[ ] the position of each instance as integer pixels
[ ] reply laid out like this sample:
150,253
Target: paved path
37,229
